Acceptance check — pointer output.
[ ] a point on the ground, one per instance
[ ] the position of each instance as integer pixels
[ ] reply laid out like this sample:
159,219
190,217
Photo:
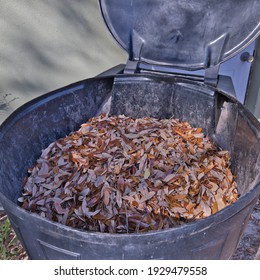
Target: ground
249,247
10,246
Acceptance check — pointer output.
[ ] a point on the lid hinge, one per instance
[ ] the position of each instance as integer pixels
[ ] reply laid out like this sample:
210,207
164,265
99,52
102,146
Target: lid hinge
131,67
136,45
211,76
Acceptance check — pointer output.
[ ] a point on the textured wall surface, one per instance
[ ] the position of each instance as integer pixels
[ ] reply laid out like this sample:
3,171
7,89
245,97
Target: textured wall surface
48,44
253,98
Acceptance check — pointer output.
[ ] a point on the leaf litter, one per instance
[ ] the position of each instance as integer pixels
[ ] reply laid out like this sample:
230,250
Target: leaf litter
123,175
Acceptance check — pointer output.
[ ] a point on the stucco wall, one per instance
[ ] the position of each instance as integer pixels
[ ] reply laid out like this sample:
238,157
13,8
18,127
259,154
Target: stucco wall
46,44
253,97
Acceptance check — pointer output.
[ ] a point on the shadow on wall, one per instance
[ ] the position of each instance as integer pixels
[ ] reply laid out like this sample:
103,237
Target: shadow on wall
49,44
6,101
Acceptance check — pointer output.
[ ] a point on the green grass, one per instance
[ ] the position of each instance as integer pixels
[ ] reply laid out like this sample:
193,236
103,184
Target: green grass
10,247
5,230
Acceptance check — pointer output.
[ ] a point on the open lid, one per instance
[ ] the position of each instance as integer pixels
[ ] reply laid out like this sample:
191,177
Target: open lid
187,34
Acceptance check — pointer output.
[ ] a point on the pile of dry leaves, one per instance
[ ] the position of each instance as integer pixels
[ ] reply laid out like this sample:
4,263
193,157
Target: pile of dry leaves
123,175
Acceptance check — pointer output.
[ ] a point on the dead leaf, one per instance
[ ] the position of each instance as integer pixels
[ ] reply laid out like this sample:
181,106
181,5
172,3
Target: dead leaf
147,196
119,198
169,177
219,200
43,172
147,173
122,175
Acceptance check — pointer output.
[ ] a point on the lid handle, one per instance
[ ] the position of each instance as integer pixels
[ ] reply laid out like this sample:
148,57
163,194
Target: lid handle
136,45
211,76
216,50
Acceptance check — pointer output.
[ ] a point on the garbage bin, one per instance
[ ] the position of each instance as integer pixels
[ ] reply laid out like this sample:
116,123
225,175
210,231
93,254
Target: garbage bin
159,36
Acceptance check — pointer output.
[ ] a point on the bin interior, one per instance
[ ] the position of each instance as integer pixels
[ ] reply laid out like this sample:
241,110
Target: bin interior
38,123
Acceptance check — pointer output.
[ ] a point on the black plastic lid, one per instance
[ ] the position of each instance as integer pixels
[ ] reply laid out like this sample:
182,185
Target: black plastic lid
187,34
